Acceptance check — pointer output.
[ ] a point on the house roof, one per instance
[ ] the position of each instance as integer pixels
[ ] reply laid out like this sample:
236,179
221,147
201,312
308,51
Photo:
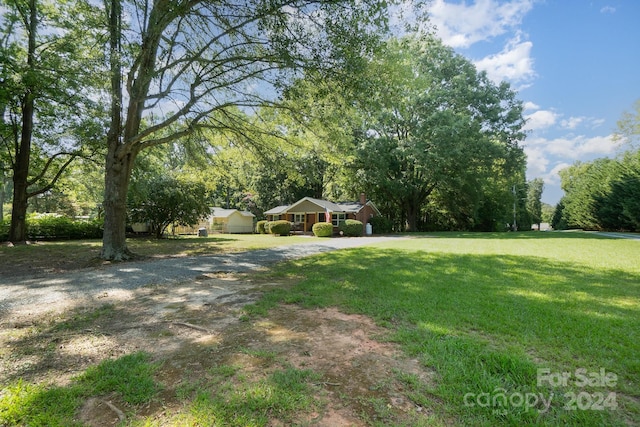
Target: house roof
225,213
278,210
323,205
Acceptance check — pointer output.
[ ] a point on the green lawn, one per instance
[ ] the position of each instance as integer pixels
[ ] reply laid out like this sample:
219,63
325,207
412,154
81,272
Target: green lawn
517,329
520,328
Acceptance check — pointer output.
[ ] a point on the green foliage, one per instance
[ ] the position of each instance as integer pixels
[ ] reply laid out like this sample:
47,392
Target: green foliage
48,227
547,212
261,227
602,194
433,123
51,70
534,203
164,200
381,225
351,228
558,220
280,227
322,229
60,227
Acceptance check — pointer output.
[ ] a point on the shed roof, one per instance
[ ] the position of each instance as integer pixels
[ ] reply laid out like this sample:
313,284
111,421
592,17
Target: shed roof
225,213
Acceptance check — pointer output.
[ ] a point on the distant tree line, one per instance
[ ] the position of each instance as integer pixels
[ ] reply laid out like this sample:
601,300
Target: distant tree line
601,195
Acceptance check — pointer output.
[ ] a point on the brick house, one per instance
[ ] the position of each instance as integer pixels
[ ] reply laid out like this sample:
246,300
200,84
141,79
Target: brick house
307,211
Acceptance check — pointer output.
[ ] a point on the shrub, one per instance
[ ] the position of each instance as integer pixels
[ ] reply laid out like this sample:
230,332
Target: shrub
381,225
47,226
282,227
322,229
60,227
351,228
260,227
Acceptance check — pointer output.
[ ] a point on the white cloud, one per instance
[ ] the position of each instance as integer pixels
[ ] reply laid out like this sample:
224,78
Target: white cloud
541,119
553,176
530,106
537,161
461,25
571,122
574,147
514,63
562,152
608,9
574,122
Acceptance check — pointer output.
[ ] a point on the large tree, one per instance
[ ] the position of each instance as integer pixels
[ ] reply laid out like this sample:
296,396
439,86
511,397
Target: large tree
164,200
535,188
184,65
432,122
48,116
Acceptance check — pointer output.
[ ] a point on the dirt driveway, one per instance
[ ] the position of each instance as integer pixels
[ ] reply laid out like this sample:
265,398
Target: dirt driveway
187,313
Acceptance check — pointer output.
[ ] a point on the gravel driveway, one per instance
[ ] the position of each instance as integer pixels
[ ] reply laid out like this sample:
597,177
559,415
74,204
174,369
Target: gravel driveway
41,291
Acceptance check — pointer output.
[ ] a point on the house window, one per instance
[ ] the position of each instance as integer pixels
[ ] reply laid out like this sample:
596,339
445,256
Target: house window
338,218
298,218
275,217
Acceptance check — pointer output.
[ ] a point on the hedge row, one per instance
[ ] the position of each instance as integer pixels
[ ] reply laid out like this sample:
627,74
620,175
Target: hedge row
53,227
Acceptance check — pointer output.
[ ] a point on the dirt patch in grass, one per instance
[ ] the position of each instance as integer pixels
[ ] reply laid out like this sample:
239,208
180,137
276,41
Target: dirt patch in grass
194,328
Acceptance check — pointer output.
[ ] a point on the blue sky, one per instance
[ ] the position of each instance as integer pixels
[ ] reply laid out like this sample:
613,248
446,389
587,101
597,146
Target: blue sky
574,63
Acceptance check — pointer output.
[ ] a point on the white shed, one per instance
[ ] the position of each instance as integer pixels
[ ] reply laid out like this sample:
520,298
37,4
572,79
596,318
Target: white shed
231,220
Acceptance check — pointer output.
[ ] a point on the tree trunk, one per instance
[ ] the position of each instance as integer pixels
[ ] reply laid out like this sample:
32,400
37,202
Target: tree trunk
412,217
116,183
119,163
18,229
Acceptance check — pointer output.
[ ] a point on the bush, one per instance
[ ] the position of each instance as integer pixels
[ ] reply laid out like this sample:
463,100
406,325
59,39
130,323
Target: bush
56,227
322,229
260,227
282,227
351,228
60,227
381,225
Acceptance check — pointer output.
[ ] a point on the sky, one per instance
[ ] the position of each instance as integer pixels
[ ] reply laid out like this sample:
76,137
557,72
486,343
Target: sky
574,63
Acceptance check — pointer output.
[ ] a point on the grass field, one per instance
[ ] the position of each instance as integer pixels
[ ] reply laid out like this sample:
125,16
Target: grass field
517,329
531,328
